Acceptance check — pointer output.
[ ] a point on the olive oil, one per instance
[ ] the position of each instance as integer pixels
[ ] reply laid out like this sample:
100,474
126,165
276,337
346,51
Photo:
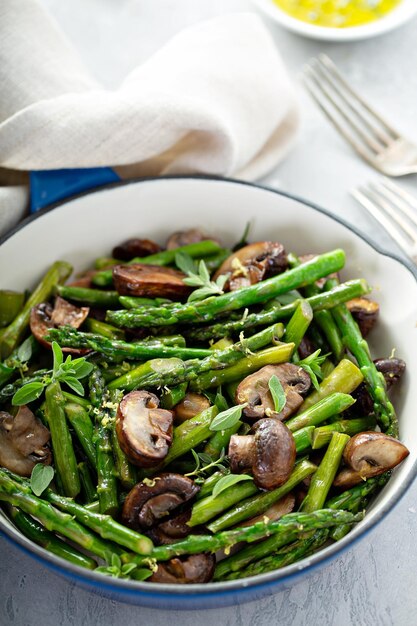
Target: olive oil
337,13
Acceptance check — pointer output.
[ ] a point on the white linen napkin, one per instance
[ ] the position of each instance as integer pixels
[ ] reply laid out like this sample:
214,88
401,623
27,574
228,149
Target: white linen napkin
215,99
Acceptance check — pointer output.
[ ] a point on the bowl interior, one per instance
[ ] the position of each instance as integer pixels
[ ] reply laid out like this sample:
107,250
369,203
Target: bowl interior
91,225
399,15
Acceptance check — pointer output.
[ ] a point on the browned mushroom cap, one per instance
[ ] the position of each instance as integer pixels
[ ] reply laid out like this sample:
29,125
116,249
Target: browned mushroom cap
369,454
151,281
253,263
191,405
23,442
392,369
196,568
365,312
132,248
144,431
269,453
152,500
275,512
254,390
43,317
185,237
172,530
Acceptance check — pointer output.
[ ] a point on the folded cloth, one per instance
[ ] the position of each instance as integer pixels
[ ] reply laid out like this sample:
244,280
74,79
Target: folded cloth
216,99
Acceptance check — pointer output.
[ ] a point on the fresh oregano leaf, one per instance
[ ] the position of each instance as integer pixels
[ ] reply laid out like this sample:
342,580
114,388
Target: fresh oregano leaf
227,419
277,392
228,481
185,263
28,393
74,384
58,357
24,351
41,478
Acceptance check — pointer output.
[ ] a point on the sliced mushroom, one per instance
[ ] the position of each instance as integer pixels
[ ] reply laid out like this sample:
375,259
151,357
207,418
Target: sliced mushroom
275,512
269,453
184,238
253,263
152,500
191,405
131,248
369,454
365,312
196,568
151,281
392,370
43,317
144,431
23,442
172,530
254,390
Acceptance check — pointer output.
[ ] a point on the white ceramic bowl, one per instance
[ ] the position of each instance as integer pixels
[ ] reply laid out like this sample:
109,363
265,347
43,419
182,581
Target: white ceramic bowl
398,16
90,225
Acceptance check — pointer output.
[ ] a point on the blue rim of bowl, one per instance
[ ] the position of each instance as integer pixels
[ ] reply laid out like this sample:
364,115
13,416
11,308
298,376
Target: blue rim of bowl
253,584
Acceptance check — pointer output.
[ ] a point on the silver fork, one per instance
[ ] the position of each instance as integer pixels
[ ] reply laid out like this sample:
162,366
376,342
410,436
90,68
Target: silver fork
373,138
395,209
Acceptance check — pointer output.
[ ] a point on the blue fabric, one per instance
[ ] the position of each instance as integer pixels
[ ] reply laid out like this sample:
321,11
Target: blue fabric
47,187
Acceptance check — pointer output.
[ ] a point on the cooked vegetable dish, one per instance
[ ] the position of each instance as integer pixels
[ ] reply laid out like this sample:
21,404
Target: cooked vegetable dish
193,413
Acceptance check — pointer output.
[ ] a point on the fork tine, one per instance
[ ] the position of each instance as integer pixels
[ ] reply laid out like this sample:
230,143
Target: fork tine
402,193
323,104
322,83
331,67
375,211
350,99
398,202
374,193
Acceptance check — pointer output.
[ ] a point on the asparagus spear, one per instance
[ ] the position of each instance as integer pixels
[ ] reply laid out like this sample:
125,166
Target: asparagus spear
341,293
166,257
270,356
206,310
354,342
172,372
323,434
171,397
298,323
103,329
220,440
12,334
38,534
301,522
80,420
344,378
64,456
126,472
89,490
115,348
107,483
290,554
208,485
324,476
321,411
262,501
207,508
89,297
52,519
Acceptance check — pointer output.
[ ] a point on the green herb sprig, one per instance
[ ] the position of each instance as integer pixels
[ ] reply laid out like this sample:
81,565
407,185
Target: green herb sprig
312,365
70,372
200,470
199,276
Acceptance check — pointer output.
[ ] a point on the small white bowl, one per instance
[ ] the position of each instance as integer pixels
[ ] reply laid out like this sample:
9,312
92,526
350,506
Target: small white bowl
398,16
